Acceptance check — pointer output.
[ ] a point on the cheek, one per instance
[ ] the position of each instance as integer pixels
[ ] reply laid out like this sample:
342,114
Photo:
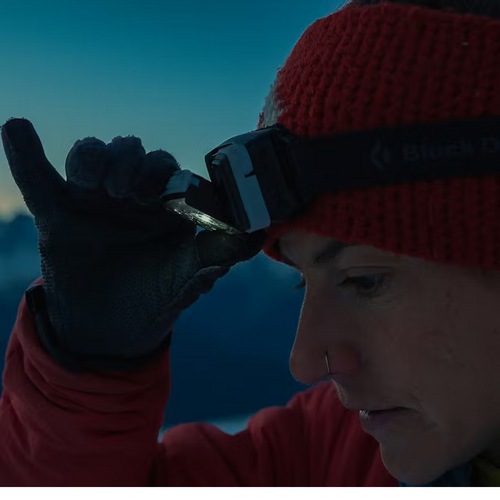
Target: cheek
439,355
423,342
409,343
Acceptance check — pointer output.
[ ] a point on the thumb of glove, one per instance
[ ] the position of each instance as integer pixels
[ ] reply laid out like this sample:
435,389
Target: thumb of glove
39,182
225,250
216,253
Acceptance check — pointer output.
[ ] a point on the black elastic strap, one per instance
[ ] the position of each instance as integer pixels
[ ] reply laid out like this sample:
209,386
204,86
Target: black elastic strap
458,148
35,299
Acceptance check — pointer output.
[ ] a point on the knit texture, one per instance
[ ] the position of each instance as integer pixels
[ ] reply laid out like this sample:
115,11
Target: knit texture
390,65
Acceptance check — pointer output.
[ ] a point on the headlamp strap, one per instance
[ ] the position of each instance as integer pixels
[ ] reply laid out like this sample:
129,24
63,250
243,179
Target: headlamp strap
458,148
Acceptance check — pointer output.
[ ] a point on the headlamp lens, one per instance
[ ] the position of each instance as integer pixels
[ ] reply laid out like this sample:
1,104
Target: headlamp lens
179,206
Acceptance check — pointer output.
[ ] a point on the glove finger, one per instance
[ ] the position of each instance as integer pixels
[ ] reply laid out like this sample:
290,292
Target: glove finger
39,182
222,249
127,154
152,176
87,163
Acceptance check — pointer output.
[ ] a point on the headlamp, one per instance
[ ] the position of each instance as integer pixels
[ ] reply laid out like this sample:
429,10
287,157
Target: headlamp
269,175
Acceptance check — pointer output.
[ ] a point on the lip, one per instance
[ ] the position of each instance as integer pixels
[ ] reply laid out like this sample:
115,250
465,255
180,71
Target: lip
375,420
359,408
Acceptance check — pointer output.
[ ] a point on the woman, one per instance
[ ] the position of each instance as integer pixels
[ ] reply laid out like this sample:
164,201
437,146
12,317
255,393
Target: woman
400,309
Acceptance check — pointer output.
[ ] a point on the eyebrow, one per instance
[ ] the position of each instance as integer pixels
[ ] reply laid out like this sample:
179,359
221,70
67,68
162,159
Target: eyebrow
330,253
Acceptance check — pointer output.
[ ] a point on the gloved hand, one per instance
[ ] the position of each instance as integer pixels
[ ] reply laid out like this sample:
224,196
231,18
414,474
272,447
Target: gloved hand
117,268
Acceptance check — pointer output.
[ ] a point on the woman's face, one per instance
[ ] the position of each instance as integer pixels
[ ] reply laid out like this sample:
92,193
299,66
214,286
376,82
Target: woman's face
404,332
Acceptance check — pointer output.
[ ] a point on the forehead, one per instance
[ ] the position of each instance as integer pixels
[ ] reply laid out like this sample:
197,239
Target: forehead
302,250
296,243
299,246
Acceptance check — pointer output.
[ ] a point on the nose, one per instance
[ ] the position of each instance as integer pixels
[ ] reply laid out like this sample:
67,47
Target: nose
318,335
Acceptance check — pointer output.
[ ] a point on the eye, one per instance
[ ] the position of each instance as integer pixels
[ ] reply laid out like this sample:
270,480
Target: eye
366,287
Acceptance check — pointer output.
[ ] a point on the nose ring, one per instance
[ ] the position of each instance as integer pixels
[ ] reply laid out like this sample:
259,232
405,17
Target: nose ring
327,363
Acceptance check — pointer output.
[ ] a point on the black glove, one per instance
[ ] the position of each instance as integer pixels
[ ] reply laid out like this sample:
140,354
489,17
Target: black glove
117,268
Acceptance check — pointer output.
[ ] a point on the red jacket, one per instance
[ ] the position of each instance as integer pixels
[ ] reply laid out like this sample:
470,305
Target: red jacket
101,429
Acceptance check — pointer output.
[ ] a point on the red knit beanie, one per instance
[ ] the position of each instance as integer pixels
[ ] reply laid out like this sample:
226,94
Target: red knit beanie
387,65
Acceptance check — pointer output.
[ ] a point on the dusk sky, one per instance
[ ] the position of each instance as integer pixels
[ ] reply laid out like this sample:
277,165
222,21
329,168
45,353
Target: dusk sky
182,75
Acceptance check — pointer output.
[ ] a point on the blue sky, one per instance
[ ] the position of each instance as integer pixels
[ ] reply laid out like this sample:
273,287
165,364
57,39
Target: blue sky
182,75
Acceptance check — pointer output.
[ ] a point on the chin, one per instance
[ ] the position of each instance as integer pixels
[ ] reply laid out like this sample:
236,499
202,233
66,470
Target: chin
413,469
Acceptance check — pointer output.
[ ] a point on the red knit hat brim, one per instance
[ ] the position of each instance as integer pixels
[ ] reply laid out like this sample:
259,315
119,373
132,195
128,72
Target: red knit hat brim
389,65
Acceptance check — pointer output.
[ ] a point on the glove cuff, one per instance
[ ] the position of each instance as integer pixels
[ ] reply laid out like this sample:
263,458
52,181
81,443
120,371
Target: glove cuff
35,299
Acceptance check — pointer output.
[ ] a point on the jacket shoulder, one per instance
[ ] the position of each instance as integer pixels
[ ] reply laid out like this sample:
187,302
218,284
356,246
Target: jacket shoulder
313,441
349,455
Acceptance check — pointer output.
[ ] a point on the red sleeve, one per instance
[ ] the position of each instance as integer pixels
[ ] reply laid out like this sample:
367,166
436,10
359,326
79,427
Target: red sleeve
71,429
313,441
101,429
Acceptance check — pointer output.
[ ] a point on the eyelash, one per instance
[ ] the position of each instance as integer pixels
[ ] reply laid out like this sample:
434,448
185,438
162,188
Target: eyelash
355,283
